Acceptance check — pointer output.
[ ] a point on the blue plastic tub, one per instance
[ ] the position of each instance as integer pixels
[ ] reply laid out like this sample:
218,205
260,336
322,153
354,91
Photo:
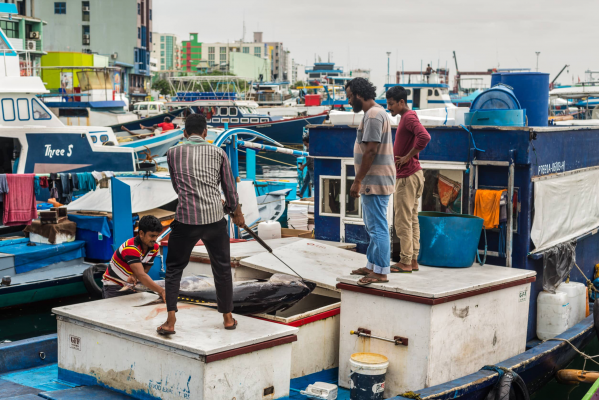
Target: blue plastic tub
448,240
496,118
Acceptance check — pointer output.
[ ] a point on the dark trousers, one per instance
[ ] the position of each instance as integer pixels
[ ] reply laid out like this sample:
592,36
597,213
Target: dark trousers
181,242
110,291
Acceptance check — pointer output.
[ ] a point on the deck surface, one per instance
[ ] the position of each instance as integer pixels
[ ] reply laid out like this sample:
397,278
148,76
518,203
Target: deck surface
433,282
199,329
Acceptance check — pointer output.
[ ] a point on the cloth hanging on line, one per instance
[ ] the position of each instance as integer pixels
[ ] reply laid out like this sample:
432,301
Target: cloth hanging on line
3,186
36,186
75,181
55,188
448,190
86,181
486,206
19,203
67,190
44,182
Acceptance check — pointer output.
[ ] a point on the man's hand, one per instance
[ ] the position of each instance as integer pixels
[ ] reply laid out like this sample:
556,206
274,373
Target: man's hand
162,294
401,160
355,189
132,280
238,219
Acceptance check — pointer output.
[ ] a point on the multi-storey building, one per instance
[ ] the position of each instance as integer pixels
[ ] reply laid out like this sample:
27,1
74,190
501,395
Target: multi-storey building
166,52
25,33
119,29
191,53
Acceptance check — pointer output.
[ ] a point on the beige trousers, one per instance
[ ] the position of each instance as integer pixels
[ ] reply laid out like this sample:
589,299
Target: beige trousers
405,204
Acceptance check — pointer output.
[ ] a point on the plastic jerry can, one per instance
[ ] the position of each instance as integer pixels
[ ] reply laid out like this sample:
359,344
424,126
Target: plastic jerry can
553,314
577,293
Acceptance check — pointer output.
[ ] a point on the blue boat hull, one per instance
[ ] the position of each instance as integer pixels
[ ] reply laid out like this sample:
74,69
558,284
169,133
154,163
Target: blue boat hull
286,132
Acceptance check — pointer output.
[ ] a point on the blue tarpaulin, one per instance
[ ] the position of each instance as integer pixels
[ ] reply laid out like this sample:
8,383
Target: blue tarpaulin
93,223
28,258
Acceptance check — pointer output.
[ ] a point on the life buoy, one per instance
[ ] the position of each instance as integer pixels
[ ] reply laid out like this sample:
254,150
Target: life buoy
89,282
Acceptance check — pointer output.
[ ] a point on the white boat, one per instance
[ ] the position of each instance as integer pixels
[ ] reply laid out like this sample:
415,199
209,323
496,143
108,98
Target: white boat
39,141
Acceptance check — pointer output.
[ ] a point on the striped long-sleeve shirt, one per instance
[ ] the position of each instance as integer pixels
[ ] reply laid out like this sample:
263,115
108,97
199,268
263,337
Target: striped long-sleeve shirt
198,170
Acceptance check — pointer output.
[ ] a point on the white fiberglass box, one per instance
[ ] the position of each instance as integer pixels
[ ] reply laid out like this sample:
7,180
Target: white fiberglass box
113,343
455,320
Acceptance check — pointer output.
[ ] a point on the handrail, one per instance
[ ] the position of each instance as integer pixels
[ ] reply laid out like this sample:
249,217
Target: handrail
223,137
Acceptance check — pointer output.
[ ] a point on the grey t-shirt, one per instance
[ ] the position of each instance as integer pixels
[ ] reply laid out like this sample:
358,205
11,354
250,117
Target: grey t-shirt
376,127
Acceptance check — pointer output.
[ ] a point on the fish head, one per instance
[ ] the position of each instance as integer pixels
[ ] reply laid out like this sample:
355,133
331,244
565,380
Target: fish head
292,282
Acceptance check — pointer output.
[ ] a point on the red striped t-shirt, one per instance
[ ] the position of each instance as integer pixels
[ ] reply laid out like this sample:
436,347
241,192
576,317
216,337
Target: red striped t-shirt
128,253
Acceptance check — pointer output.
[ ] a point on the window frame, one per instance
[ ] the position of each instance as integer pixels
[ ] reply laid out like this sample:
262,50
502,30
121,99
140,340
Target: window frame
61,7
19,109
14,114
42,107
321,179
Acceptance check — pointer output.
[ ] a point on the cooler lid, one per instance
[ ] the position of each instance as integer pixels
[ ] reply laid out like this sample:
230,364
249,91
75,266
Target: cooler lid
199,329
499,97
433,283
251,248
314,260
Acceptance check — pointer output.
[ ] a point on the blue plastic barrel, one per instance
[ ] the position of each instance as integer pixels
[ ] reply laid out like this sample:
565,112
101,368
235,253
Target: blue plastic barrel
532,91
495,78
448,240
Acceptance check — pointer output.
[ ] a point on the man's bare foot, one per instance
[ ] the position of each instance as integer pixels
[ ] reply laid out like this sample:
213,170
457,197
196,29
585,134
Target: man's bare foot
414,265
400,267
228,320
169,325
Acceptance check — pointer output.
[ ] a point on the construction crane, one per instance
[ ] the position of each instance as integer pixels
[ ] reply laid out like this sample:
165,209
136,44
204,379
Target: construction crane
557,76
457,87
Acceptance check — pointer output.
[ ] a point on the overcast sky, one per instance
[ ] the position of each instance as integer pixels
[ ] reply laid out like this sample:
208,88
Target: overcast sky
485,34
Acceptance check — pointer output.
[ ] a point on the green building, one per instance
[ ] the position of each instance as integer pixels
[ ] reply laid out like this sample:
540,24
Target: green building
191,53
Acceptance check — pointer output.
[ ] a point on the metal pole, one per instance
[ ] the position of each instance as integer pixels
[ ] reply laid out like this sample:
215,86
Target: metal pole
388,67
510,213
537,53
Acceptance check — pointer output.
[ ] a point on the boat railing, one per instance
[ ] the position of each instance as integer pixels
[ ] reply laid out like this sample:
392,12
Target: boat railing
269,97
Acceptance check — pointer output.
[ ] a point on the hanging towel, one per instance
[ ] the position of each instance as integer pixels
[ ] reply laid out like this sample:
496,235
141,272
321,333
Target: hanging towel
19,204
486,206
36,186
87,181
3,187
75,181
67,191
97,175
44,182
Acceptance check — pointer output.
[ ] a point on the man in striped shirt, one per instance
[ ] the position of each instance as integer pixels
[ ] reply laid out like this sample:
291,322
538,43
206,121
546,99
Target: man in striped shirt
133,259
199,170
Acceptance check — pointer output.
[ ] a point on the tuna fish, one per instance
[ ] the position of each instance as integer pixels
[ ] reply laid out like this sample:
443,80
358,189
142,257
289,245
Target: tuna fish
249,297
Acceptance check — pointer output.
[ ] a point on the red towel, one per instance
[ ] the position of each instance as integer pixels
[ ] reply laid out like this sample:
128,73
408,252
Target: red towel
19,202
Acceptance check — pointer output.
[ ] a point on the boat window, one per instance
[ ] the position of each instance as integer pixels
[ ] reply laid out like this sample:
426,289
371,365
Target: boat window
245,120
39,112
73,112
235,120
352,204
94,139
430,92
223,111
23,107
264,119
329,196
232,111
442,191
153,107
8,109
254,120
104,138
215,120
436,92
223,120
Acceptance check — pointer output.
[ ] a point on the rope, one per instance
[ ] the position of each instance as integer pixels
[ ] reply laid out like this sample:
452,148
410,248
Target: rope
271,159
583,355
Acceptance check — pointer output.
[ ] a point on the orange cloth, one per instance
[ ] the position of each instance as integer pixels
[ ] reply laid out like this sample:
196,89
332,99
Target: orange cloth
486,206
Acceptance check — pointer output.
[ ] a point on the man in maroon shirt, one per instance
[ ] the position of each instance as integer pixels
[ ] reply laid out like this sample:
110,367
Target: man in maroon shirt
410,139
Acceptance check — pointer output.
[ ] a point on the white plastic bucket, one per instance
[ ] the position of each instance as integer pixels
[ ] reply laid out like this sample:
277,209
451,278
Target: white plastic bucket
367,376
269,230
553,314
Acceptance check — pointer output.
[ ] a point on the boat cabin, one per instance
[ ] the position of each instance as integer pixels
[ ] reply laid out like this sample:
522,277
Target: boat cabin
270,93
421,95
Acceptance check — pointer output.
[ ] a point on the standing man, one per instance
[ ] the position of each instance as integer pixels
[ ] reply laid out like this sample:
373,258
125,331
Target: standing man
198,170
132,261
410,139
375,177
